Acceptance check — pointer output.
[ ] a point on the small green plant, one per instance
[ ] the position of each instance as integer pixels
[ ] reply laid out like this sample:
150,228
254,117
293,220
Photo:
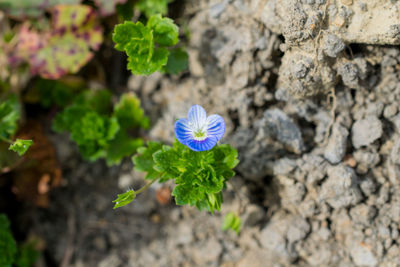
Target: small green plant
100,130
232,222
149,46
199,167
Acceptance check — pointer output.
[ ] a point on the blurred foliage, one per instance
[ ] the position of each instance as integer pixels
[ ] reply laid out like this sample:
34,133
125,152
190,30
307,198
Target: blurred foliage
177,61
10,253
9,116
23,9
232,221
8,246
64,47
99,131
152,7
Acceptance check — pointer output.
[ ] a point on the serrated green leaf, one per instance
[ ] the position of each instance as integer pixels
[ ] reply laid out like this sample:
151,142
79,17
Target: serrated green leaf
139,43
8,246
167,163
123,34
124,199
164,30
129,113
144,161
9,116
233,222
177,61
186,194
21,146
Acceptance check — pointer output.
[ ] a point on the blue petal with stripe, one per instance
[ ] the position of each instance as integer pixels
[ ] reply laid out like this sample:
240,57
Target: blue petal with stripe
197,115
203,145
183,131
216,126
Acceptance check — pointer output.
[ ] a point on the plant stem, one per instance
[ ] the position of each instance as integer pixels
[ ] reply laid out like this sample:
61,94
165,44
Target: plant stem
5,140
145,187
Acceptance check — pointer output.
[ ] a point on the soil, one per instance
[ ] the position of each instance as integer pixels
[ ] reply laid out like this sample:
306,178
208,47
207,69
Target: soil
309,91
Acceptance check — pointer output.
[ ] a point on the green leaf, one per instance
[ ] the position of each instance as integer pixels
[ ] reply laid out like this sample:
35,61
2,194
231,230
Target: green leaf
186,194
123,34
21,146
9,116
152,7
129,113
164,30
90,130
8,246
121,146
124,199
144,160
233,222
177,61
167,163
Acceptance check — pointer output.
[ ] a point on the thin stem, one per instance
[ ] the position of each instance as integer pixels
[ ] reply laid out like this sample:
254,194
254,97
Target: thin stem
145,187
5,140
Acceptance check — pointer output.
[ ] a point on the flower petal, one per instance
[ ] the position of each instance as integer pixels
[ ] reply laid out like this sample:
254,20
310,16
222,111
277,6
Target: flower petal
216,126
203,145
197,116
183,131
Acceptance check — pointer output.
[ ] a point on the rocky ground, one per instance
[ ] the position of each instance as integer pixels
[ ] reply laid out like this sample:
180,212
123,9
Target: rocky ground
309,91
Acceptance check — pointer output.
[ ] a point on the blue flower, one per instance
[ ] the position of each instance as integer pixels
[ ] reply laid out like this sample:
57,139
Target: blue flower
198,131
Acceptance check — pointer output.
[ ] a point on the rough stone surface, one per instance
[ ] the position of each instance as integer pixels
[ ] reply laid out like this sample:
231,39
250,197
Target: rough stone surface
366,131
336,147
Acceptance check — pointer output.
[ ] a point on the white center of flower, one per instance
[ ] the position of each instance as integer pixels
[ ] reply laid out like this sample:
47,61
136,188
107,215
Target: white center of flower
199,131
